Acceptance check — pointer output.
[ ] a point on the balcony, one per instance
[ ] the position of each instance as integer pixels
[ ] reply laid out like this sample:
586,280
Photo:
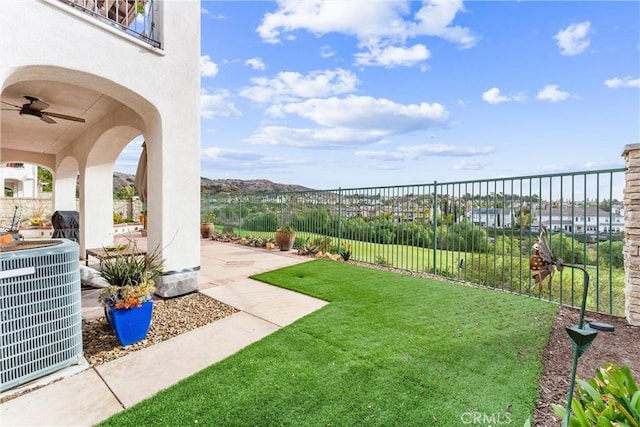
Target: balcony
133,17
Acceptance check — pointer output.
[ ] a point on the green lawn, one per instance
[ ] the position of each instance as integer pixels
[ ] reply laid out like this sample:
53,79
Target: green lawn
389,350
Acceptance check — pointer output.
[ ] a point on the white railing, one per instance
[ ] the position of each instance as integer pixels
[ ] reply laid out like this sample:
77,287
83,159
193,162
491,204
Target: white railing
134,17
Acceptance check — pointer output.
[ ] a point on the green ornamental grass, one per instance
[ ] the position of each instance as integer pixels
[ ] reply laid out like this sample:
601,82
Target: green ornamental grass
389,350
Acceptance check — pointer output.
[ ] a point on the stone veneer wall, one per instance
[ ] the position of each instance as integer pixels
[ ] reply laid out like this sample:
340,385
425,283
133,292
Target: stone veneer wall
43,207
27,207
631,250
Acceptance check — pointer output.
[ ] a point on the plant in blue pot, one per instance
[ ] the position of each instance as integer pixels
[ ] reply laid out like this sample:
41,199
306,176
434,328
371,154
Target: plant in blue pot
128,300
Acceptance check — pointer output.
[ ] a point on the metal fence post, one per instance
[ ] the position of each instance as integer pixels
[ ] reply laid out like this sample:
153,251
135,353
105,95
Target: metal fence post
339,219
434,216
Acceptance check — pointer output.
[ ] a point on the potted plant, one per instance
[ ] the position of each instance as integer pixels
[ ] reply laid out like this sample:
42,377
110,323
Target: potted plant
128,299
285,236
207,228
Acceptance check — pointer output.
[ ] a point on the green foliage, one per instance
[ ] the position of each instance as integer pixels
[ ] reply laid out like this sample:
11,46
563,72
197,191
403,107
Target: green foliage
298,242
261,222
117,218
345,254
45,178
131,270
287,229
323,243
474,239
259,242
124,193
308,248
228,229
381,260
610,254
208,217
570,250
611,398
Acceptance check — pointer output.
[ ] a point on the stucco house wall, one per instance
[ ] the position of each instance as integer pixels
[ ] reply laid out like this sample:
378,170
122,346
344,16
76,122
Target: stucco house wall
154,93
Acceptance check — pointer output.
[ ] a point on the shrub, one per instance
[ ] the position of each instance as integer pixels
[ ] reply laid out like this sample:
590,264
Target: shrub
380,260
611,398
117,218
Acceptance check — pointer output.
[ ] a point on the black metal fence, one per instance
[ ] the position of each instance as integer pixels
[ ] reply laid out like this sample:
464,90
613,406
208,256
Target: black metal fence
480,231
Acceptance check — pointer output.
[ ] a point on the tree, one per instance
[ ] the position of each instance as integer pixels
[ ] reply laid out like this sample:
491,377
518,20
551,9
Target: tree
605,205
45,179
125,193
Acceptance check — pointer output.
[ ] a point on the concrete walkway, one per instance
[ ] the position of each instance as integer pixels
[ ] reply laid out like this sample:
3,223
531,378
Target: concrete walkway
86,396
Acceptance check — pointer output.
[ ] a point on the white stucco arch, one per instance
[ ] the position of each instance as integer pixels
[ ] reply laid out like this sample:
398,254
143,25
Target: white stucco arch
94,152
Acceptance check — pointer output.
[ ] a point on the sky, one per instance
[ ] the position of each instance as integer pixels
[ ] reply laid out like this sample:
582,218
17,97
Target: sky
365,93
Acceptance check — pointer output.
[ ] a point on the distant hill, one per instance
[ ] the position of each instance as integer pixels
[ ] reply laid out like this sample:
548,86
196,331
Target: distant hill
222,186
122,180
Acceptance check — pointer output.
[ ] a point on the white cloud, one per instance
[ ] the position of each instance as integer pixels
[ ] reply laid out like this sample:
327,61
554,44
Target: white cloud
217,105
552,93
379,26
208,68
492,96
255,63
393,55
229,154
348,122
416,152
312,138
216,159
446,150
288,86
470,165
618,82
327,52
368,113
435,18
573,39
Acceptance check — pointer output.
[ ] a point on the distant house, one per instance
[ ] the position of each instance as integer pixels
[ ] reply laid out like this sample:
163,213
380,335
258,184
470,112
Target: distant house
578,220
19,180
491,217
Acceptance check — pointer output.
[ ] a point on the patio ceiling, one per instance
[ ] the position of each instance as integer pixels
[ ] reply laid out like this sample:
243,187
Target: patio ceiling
28,134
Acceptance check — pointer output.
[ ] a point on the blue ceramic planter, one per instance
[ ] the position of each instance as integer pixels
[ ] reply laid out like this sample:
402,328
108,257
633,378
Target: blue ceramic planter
130,324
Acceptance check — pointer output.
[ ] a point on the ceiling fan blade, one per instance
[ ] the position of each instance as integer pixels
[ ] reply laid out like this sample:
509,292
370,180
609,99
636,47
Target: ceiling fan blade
48,120
38,105
17,106
63,116
35,103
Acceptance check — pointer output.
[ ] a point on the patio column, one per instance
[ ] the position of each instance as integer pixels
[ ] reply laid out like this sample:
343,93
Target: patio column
64,192
631,250
96,207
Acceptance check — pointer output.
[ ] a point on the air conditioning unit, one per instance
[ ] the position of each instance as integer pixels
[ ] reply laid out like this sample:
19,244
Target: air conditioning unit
40,312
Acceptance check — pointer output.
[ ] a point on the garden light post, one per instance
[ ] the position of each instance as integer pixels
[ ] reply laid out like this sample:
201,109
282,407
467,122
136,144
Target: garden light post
581,336
581,339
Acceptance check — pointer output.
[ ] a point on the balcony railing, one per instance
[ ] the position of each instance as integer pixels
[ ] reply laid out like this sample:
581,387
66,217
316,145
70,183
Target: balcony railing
133,17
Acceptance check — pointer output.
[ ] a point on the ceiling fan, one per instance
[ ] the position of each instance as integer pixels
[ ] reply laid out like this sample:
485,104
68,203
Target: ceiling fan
35,109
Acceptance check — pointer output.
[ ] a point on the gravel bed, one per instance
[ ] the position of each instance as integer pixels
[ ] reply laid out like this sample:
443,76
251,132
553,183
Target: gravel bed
171,317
